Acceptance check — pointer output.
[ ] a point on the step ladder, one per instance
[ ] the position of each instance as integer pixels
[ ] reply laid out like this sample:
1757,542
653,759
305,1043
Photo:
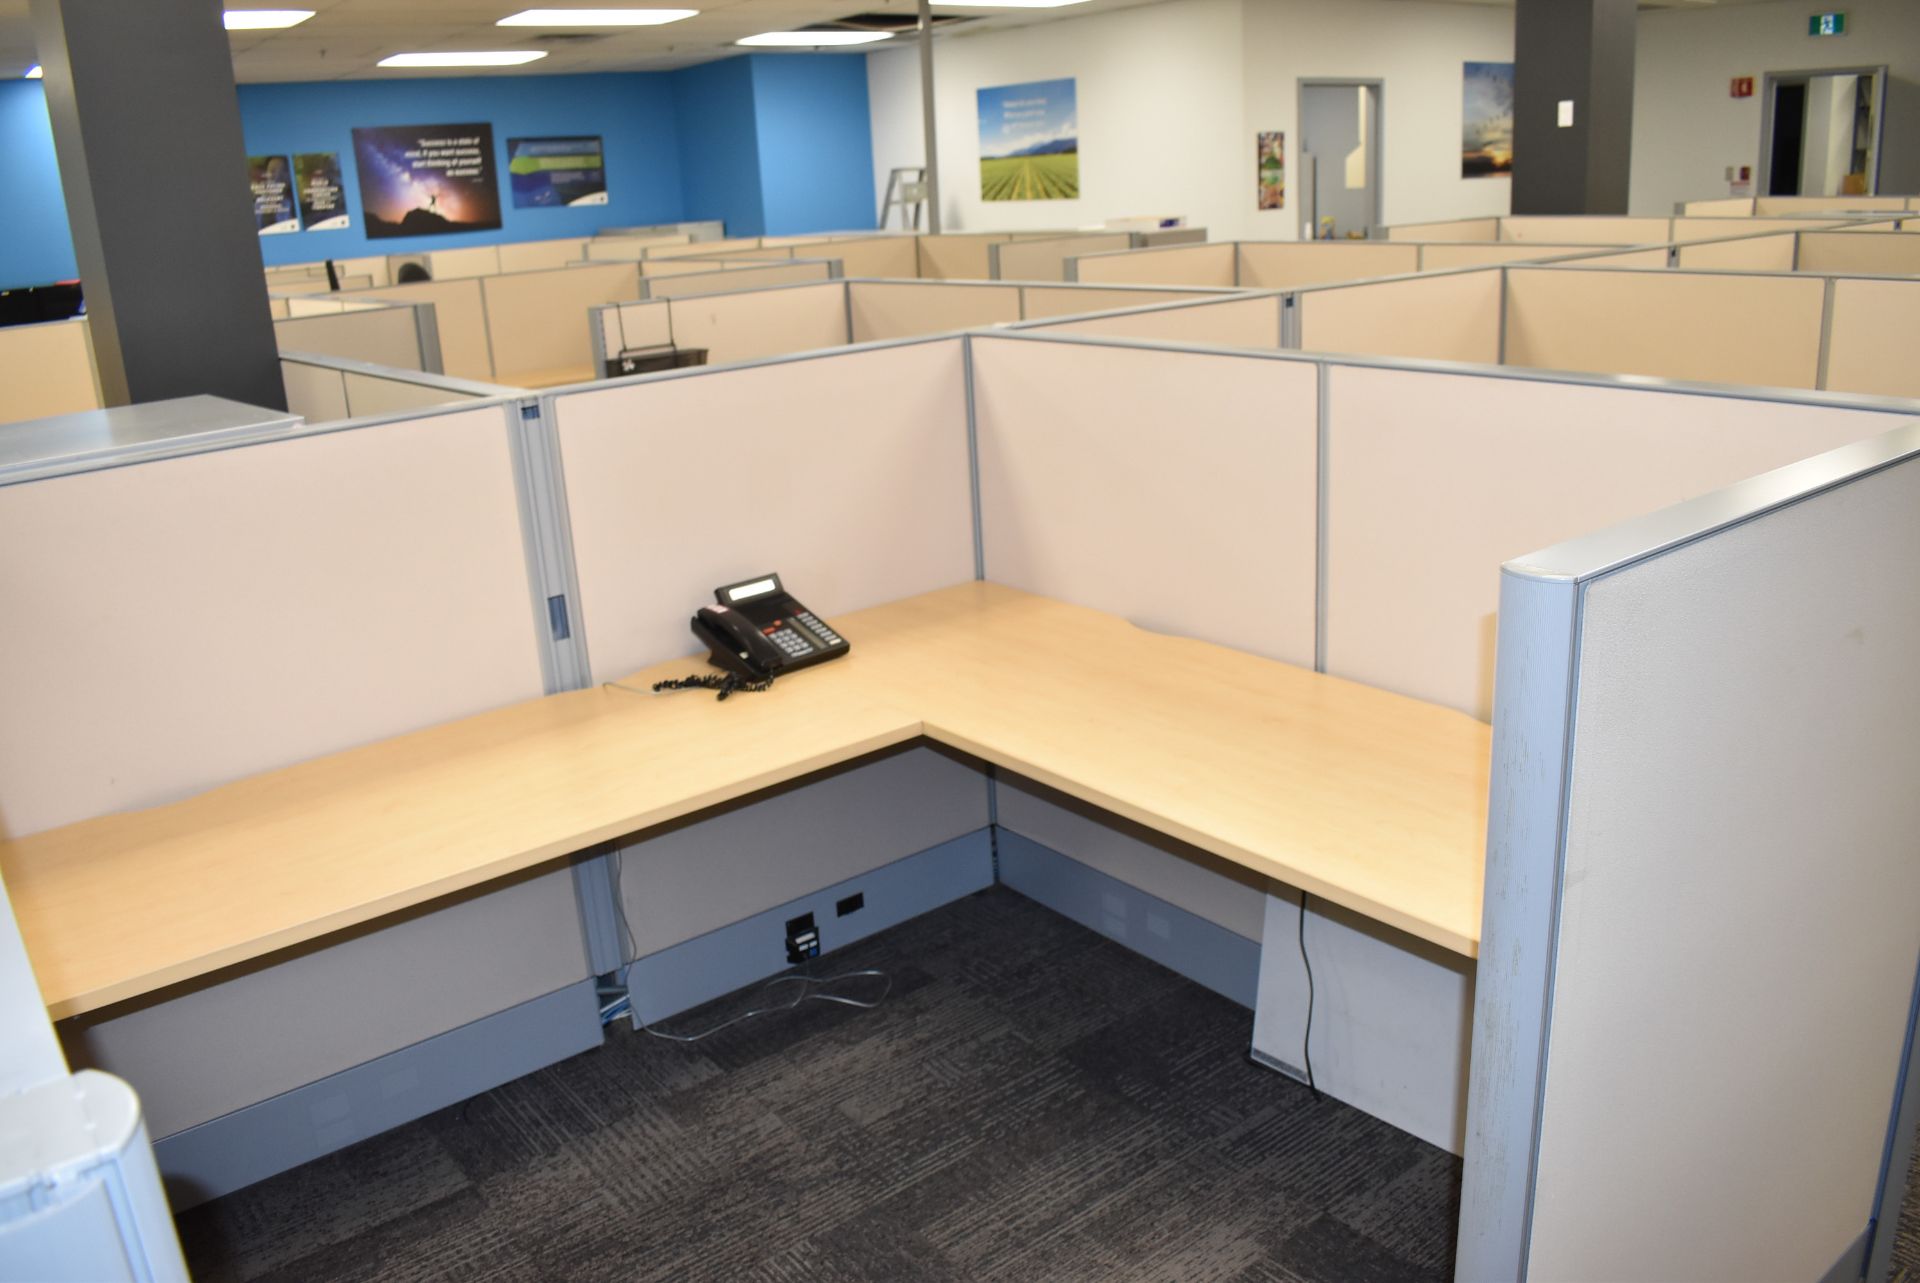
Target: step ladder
906,188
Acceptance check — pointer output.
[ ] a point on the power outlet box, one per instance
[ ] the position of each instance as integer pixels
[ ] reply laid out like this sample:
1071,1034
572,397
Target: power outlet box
852,904
803,939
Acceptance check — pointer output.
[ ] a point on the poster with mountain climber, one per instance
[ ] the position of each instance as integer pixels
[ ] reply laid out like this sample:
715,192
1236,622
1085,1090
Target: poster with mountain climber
1029,142
427,180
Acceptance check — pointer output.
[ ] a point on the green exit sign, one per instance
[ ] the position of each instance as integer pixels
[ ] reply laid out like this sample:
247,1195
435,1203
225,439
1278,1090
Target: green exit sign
1827,24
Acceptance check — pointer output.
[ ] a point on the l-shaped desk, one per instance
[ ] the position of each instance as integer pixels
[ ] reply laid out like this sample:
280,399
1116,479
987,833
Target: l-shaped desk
1370,800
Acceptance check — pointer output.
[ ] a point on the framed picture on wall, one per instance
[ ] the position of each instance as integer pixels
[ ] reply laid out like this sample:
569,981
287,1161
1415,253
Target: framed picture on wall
271,179
556,173
323,201
426,180
1029,142
1270,169
1486,133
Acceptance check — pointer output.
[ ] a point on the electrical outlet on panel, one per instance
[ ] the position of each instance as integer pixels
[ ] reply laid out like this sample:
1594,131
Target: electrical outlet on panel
1566,113
803,939
851,904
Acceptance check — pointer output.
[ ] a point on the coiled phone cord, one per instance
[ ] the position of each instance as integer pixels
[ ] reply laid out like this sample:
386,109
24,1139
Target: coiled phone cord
726,684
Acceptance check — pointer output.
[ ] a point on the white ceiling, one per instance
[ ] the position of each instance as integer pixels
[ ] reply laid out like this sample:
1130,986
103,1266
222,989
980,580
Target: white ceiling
346,38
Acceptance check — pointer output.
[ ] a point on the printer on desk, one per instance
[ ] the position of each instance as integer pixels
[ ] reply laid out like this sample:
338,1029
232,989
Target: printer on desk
651,360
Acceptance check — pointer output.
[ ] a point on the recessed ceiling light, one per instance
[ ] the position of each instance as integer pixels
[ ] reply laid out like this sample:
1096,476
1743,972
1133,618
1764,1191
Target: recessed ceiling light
264,19
814,39
484,58
595,17
33,72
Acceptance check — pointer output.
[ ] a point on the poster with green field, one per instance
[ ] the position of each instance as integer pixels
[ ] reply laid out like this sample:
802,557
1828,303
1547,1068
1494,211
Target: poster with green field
1029,142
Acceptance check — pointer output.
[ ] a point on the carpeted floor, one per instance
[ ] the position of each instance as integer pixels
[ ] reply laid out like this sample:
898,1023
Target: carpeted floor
1031,1102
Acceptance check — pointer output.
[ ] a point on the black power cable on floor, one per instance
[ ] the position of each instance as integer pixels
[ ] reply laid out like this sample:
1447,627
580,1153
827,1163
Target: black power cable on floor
1306,1040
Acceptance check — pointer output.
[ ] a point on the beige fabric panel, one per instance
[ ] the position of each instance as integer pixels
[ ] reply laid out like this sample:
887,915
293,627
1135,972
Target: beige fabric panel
1585,229
1154,485
1209,264
1233,322
459,316
680,248
538,320
1440,256
762,323
676,267
1719,229
1755,330
388,336
314,392
1435,480
1441,318
369,395
860,493
957,257
1652,257
311,305
905,309
886,257
1755,254
710,872
1046,260
1733,206
534,256
247,1036
1041,301
1279,265
452,264
1737,924
746,278
279,308
203,660
618,249
1870,346
374,268
46,369
1459,229
1837,252
1826,204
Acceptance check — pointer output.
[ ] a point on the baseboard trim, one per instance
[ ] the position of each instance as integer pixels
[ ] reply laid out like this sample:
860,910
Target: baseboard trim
679,978
1203,951
248,1145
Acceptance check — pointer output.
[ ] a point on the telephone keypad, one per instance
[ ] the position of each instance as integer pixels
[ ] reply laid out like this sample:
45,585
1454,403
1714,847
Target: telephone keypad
819,629
791,642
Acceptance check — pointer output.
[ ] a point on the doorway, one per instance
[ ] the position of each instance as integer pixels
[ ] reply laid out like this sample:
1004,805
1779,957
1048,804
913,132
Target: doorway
1340,153
1820,132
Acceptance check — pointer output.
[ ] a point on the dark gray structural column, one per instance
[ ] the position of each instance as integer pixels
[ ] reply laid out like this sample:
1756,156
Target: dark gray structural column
146,124
1579,51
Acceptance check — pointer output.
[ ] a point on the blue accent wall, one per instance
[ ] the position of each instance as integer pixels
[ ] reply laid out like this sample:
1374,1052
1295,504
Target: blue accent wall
771,144
815,142
719,145
35,246
633,113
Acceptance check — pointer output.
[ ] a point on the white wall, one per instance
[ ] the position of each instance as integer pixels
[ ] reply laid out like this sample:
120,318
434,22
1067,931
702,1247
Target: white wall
1171,95
1687,128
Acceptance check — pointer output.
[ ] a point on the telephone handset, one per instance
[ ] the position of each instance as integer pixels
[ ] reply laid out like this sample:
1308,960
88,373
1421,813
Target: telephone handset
758,631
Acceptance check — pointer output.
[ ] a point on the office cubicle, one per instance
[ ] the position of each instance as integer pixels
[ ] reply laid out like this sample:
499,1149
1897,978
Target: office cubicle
47,369
1005,420
1285,264
322,388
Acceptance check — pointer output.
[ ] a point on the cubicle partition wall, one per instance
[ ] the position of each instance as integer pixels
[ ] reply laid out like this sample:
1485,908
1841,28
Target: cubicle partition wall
1854,255
183,658
1698,967
1045,259
1209,264
738,276
1283,264
325,389
1289,264
401,336
47,369
1225,320
889,514
613,249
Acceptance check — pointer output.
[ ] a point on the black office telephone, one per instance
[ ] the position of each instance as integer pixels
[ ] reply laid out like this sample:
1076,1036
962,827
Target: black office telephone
756,630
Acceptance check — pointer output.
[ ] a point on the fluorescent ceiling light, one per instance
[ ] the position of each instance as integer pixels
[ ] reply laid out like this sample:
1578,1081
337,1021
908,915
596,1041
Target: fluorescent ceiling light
595,17
265,19
814,39
33,72
483,58
1004,4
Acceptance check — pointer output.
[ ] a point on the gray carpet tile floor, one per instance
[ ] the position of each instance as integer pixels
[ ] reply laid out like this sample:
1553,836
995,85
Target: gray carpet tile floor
1031,1102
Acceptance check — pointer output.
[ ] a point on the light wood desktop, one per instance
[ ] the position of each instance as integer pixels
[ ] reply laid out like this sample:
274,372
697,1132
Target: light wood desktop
1367,799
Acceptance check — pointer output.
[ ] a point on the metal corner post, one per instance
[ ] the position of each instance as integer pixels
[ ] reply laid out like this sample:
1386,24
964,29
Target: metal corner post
927,119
